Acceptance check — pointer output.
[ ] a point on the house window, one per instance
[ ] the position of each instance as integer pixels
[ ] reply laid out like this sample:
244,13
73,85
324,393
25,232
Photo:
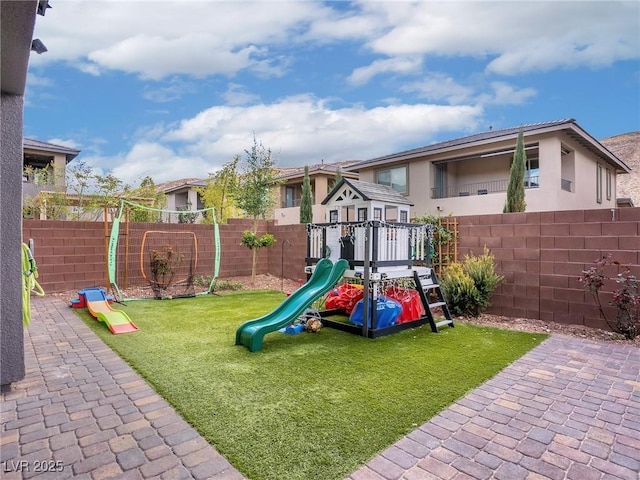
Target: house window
532,173
441,181
333,216
609,184
377,214
348,213
291,199
395,178
567,169
390,213
404,216
362,214
599,183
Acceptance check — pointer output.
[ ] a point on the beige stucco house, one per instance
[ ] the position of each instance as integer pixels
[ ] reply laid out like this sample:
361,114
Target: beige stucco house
567,170
182,194
289,190
44,166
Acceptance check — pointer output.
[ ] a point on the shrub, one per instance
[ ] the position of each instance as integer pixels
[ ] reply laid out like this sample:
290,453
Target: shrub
460,290
626,298
468,286
482,270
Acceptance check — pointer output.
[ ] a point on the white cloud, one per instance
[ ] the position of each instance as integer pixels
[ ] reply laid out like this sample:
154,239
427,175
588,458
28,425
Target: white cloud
506,94
237,94
401,65
299,130
35,80
199,38
516,37
196,54
156,39
65,142
440,87
153,159
173,90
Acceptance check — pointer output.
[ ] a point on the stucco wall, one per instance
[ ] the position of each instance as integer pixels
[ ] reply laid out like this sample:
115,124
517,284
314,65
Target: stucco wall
291,215
548,197
11,329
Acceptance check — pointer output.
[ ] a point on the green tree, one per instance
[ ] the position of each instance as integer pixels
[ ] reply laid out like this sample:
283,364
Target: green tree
79,179
253,242
221,191
255,191
337,179
306,202
108,191
51,200
93,192
515,189
146,192
53,204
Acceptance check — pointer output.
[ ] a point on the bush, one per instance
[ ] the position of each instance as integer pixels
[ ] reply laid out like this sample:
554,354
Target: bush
626,297
482,270
252,241
460,290
468,286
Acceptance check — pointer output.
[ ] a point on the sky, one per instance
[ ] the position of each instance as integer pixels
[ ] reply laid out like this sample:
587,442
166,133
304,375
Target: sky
176,89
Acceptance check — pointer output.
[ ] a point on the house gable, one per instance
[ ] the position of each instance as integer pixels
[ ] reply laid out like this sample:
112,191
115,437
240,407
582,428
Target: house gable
566,169
485,140
352,200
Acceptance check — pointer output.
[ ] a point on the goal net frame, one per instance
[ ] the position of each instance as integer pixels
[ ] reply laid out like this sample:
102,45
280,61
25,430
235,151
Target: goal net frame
157,263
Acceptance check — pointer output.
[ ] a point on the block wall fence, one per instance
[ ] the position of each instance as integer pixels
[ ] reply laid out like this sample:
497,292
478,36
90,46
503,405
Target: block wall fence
541,255
71,255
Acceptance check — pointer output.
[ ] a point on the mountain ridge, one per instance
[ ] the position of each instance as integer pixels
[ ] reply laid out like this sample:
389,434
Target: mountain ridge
626,147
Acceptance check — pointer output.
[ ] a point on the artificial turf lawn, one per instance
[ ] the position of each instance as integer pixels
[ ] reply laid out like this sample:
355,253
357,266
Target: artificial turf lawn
308,406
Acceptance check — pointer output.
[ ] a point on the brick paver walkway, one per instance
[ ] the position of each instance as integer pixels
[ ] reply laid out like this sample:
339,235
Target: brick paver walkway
569,409
82,410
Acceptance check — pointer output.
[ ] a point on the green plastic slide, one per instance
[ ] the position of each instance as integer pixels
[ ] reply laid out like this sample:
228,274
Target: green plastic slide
326,274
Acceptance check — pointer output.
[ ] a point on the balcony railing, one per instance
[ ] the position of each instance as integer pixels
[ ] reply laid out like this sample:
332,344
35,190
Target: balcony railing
290,204
565,185
479,188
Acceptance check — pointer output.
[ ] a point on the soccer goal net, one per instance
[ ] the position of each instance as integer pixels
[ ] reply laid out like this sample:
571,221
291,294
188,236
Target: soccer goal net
163,254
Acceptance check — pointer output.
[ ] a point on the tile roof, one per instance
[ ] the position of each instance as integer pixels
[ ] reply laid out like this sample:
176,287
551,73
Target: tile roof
370,191
168,187
574,130
32,144
330,168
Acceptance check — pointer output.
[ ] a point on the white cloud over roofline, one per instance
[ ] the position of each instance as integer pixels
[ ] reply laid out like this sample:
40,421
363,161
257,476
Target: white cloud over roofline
299,130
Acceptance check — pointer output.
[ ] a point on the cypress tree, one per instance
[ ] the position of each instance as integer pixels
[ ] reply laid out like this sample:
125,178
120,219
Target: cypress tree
338,178
515,189
306,202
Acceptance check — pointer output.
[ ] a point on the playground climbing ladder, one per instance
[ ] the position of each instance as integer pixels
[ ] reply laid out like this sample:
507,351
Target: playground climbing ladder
428,287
